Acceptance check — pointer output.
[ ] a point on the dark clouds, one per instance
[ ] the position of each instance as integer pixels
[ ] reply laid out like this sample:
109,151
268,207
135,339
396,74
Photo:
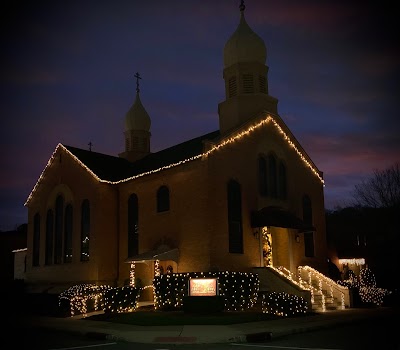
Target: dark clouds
67,76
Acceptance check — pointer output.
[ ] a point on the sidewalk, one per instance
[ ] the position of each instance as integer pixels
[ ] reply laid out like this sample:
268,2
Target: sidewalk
200,334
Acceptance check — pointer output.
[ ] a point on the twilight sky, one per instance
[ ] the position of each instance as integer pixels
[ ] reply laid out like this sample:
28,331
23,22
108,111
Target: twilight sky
67,76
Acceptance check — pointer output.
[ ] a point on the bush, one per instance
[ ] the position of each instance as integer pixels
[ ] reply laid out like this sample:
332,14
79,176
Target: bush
283,304
122,299
83,298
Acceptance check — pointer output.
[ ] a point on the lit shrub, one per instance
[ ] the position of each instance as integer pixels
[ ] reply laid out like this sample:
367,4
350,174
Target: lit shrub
283,304
83,298
121,299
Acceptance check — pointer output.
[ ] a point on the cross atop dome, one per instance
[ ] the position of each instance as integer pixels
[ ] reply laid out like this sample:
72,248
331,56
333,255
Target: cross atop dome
137,76
242,6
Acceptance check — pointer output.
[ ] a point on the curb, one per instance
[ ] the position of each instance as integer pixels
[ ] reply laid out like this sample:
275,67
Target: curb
98,335
260,337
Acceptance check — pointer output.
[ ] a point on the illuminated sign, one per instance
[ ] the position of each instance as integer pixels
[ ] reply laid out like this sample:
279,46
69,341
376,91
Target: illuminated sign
203,287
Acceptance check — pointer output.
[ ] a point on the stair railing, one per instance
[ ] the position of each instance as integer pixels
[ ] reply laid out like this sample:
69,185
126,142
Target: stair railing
324,285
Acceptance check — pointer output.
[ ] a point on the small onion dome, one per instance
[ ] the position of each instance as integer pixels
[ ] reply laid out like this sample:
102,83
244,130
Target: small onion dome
137,118
244,45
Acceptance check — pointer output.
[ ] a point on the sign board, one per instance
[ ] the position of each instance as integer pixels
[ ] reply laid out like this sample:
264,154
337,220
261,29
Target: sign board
203,287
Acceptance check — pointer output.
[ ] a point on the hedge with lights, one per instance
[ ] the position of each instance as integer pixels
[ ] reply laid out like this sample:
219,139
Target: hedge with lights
83,298
122,299
239,289
283,304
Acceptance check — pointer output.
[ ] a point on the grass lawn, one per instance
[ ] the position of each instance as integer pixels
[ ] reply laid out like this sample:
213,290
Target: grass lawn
170,318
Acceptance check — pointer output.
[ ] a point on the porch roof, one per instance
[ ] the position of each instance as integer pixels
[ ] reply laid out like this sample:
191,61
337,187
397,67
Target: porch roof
278,217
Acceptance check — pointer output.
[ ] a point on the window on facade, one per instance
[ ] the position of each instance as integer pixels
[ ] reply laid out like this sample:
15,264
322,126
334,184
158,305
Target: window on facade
272,176
59,212
162,199
248,84
127,144
263,84
232,86
85,230
262,176
49,237
282,189
308,236
135,143
68,224
235,217
36,240
170,269
309,244
133,225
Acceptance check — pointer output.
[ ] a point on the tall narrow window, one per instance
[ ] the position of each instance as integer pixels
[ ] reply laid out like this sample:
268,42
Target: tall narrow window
68,224
133,225
59,230
282,189
308,236
85,230
36,240
262,176
263,84
162,199
234,198
248,84
49,237
272,176
232,87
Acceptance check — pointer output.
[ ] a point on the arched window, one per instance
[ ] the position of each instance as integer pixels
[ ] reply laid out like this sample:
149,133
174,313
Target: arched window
162,199
133,225
49,237
85,230
36,240
170,269
282,188
272,176
59,229
307,210
262,176
308,236
68,224
234,198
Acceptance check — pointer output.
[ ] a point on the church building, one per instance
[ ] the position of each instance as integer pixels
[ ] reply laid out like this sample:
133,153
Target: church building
242,197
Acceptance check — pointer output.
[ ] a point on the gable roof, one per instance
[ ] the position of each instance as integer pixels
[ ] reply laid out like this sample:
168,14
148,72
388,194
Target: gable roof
113,169
106,168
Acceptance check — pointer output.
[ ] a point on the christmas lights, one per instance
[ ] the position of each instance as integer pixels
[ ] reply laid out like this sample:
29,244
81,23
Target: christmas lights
322,286
283,304
223,143
239,289
365,284
354,261
83,298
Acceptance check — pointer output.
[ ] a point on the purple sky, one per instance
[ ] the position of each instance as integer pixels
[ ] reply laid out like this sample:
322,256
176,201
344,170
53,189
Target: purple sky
67,77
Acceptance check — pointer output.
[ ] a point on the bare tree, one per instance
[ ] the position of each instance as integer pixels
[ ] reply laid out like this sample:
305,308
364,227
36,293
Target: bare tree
381,190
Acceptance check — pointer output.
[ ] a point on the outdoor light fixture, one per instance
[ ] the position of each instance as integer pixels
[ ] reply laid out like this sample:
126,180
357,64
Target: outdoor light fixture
256,232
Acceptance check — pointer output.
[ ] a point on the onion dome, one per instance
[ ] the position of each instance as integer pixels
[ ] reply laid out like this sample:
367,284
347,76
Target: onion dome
244,45
137,118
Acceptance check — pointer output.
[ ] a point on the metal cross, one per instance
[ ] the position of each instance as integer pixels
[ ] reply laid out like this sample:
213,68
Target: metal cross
137,76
